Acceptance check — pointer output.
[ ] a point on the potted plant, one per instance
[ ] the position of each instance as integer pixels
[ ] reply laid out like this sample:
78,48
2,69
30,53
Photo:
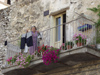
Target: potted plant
79,39
69,44
97,23
63,47
93,45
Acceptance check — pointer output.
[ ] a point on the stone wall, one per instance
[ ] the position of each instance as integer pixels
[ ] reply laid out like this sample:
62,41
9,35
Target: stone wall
4,21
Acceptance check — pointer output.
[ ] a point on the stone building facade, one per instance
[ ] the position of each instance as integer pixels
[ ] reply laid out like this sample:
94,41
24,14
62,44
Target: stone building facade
22,14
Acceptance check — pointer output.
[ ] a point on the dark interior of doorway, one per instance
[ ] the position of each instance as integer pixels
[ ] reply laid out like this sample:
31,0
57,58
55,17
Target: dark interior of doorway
64,28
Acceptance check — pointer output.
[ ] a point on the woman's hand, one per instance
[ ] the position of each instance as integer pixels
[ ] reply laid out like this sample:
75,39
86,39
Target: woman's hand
37,31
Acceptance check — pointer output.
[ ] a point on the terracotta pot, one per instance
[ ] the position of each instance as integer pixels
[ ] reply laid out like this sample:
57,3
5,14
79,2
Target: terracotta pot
79,44
93,46
69,47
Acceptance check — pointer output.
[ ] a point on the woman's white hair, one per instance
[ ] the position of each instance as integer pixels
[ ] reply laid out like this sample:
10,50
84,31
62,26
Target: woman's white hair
34,27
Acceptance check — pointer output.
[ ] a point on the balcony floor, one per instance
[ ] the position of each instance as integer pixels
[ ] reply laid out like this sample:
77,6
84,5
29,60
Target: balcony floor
67,58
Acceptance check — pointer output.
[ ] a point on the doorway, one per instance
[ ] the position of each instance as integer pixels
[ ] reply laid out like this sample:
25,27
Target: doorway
60,30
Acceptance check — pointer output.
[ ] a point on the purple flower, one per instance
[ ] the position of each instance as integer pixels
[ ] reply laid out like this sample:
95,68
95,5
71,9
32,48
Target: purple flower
49,56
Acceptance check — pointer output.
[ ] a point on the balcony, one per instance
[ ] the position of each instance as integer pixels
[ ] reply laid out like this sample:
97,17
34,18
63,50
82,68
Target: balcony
77,44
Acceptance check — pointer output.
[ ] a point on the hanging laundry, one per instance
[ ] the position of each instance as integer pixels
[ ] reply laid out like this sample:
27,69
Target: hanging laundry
5,43
28,40
26,49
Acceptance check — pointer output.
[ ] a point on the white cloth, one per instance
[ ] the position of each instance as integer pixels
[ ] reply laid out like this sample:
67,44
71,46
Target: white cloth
26,49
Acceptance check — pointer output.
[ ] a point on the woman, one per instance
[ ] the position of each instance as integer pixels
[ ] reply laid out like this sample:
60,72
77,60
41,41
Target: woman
35,40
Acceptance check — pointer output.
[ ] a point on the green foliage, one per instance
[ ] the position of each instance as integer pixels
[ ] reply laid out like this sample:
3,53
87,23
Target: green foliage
94,9
69,43
98,40
97,11
13,60
28,59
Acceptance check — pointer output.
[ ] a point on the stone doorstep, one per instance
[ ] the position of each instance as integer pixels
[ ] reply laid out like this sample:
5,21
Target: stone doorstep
92,52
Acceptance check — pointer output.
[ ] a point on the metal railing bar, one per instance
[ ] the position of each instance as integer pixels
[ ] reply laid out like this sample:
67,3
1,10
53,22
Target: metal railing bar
57,26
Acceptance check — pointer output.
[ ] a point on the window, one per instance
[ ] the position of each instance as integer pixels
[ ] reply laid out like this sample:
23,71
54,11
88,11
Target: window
58,28
9,2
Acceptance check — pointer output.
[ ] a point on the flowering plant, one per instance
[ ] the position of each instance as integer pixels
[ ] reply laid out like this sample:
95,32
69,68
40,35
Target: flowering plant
42,48
79,38
24,60
50,55
12,60
21,60
9,60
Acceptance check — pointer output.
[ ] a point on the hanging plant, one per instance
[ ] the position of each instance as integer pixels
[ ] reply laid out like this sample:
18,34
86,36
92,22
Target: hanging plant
50,55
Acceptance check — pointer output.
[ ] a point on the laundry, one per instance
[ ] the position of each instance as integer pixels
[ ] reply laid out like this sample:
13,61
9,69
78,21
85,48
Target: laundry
27,39
5,43
26,49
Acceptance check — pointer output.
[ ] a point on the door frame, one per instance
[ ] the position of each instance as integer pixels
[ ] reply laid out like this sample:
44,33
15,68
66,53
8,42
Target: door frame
58,43
52,25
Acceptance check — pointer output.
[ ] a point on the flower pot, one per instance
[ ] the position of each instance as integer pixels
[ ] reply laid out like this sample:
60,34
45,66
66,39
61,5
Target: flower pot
93,46
69,46
79,44
39,55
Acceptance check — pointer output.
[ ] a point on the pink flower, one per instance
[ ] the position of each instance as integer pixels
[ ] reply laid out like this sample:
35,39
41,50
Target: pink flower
80,34
9,59
77,39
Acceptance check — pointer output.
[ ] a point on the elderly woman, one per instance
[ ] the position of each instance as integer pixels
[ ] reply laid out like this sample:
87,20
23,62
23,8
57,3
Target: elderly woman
36,37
